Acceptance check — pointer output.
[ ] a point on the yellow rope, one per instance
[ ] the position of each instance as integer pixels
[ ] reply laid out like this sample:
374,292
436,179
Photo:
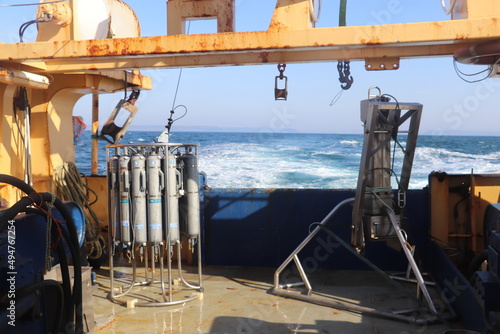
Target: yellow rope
70,187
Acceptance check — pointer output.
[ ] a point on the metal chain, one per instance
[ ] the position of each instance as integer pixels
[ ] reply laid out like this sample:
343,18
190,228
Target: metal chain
48,239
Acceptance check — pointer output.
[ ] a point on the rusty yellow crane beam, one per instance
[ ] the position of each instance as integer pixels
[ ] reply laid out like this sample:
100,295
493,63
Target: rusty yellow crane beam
289,39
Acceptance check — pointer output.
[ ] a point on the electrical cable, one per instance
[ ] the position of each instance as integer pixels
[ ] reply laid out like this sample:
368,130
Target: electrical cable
336,98
172,110
396,142
180,73
183,115
462,75
25,25
177,88
32,4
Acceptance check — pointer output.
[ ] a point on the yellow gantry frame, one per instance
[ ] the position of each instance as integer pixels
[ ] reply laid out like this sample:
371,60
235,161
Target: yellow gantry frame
290,38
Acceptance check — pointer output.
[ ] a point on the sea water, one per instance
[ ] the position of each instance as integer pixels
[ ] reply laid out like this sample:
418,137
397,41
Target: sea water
296,160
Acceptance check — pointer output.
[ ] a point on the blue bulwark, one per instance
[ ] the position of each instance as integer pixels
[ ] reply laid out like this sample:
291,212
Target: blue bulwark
261,227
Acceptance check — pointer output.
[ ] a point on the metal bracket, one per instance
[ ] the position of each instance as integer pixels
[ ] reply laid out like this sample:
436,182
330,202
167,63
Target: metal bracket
380,64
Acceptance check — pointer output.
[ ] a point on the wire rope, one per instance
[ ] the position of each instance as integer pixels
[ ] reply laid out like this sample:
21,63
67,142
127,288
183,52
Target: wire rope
70,186
462,75
32,4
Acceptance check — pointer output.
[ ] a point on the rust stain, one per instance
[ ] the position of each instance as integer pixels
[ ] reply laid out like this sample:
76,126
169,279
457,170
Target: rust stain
277,25
264,56
158,49
373,42
109,323
94,50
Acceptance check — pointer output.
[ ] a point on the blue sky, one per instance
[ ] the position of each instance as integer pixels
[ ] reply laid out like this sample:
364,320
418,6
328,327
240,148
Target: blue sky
241,97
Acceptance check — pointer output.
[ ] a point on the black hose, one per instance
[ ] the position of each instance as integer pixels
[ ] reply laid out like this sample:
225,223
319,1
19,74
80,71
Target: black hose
72,240
12,212
77,286
61,253
13,181
476,263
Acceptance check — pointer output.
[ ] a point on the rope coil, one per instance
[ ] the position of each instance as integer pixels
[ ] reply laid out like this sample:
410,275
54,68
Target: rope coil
70,187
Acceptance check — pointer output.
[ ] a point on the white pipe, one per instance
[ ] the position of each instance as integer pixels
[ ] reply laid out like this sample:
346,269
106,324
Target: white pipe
452,6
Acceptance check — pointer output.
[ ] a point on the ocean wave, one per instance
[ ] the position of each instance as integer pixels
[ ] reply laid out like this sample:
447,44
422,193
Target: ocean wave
289,148
234,160
350,142
450,155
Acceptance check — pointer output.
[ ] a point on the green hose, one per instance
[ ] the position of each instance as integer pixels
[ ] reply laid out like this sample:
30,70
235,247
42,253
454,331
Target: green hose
342,13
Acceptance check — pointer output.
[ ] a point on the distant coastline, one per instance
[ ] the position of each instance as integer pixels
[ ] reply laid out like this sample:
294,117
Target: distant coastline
160,128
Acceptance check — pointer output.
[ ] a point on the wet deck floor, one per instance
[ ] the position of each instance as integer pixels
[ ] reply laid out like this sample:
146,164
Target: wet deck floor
239,300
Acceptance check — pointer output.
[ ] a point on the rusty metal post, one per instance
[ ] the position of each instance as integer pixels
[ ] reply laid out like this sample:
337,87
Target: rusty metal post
95,134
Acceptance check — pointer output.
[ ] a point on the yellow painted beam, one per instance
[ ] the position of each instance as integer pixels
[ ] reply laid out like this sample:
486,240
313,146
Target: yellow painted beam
409,40
252,58
22,78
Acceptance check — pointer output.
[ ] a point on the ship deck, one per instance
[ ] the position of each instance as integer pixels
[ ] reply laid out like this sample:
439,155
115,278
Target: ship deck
239,300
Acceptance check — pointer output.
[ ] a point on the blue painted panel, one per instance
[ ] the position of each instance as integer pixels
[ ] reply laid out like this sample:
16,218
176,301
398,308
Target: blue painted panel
259,227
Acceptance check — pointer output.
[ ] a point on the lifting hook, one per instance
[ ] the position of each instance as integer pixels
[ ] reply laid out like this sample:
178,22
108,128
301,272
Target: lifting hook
345,78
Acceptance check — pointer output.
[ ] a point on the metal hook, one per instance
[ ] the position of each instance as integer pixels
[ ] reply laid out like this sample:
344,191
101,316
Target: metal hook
345,77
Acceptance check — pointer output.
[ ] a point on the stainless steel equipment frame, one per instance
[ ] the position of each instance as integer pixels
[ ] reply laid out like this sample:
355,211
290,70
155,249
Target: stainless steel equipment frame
374,216
157,251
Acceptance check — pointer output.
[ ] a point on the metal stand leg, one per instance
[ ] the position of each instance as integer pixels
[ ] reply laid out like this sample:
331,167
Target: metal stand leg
280,289
294,257
411,261
157,252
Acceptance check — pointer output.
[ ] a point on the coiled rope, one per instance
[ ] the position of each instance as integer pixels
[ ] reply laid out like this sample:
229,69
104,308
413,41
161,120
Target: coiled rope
70,187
